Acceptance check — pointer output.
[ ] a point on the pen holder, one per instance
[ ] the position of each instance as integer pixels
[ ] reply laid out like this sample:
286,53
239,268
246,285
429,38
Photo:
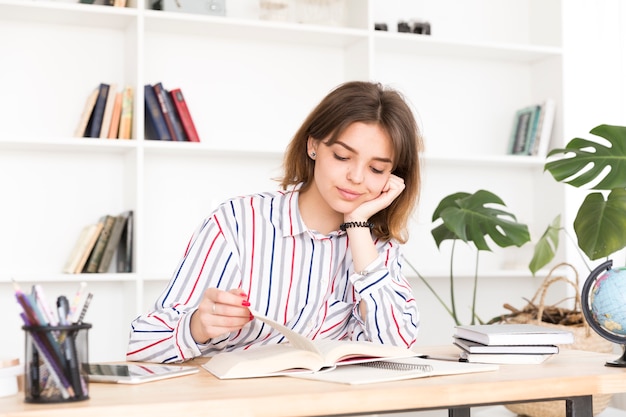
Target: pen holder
55,358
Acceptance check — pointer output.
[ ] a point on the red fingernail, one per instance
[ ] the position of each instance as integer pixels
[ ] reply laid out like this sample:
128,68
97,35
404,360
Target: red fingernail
251,317
245,303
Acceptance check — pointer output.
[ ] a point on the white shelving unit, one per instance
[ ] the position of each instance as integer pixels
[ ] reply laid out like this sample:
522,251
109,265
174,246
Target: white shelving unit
249,84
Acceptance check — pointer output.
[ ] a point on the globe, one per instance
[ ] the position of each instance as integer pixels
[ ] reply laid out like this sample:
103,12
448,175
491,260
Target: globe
604,305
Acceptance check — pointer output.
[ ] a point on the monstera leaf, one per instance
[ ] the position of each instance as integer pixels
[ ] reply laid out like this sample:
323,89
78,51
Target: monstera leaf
600,224
472,217
546,246
582,160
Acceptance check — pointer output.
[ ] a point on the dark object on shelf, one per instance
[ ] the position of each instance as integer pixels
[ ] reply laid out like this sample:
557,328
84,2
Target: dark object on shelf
211,7
380,26
404,27
421,28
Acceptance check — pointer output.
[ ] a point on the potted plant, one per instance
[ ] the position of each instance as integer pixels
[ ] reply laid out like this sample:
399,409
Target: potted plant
600,224
471,218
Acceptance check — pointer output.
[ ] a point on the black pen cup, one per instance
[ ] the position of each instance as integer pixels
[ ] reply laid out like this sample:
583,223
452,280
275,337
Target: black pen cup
55,361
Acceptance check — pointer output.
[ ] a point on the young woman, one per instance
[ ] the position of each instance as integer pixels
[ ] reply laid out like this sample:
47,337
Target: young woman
321,256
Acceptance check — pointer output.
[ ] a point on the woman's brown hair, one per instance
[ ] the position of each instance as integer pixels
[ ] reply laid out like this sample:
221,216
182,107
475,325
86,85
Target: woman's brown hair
367,102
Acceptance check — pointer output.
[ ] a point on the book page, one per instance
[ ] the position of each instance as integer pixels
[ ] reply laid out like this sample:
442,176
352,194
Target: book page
297,340
338,352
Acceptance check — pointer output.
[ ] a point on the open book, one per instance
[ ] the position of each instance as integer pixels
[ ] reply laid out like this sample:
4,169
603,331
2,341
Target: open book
323,359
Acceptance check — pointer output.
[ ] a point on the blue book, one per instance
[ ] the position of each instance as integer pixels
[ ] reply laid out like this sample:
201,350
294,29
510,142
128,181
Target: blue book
172,120
156,127
95,121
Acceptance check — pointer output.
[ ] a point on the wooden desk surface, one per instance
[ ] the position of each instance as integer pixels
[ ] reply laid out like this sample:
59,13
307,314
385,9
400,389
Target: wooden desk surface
570,373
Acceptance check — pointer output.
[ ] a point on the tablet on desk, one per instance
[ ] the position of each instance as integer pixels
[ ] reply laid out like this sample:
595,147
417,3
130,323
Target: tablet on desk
135,373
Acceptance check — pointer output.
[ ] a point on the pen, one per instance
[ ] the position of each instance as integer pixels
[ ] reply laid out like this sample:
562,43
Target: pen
63,309
442,358
85,307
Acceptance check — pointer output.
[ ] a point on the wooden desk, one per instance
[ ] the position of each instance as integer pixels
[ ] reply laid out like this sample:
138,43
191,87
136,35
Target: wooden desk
571,375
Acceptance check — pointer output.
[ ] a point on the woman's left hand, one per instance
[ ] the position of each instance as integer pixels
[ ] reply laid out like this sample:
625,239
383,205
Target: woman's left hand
391,190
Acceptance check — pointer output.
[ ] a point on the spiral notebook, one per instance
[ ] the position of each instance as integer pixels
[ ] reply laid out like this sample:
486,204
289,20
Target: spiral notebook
394,370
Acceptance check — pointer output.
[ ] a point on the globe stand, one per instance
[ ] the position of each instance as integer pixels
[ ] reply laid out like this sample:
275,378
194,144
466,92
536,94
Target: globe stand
593,323
621,362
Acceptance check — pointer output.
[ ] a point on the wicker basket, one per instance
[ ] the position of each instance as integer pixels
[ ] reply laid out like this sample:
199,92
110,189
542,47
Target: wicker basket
584,339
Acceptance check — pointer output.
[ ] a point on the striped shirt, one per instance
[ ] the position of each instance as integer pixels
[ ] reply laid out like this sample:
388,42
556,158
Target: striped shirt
294,275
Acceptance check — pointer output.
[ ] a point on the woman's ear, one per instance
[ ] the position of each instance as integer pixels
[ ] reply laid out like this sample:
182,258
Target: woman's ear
311,147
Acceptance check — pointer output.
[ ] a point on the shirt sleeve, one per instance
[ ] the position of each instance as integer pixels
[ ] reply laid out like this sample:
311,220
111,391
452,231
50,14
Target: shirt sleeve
164,334
392,313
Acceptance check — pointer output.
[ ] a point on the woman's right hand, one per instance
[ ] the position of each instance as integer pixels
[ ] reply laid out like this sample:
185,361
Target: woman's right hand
220,312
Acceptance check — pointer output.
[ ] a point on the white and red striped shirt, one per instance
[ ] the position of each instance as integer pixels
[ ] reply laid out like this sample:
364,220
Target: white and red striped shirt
294,275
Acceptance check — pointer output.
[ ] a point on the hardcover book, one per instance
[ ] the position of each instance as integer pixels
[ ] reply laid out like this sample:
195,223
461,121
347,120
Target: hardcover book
125,247
98,250
506,358
126,118
108,111
169,113
340,361
82,249
95,122
475,347
185,116
114,127
156,128
86,115
514,334
544,128
113,242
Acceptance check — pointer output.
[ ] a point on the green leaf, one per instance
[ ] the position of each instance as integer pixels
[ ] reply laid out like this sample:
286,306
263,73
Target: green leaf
546,246
600,224
472,217
582,160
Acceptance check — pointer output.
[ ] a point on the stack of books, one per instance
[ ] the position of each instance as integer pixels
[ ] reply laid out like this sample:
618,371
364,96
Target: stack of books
509,343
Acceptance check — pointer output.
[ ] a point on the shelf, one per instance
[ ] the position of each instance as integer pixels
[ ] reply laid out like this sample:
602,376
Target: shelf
408,43
496,161
155,147
64,278
92,16
259,30
71,144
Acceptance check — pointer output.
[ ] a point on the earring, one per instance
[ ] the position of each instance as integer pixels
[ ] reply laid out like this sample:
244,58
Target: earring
313,155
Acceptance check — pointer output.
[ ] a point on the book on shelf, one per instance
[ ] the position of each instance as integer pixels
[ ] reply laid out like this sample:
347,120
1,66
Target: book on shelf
98,250
125,246
82,249
86,114
115,116
475,347
321,357
180,104
514,334
544,128
169,113
95,121
506,358
113,242
156,127
126,117
524,126
108,111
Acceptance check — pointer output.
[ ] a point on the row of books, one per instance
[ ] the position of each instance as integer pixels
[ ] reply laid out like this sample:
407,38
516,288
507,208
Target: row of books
509,343
115,3
99,242
108,113
167,115
532,129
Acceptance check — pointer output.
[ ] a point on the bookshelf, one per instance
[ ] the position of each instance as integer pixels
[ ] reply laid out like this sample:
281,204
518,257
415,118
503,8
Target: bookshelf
465,83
